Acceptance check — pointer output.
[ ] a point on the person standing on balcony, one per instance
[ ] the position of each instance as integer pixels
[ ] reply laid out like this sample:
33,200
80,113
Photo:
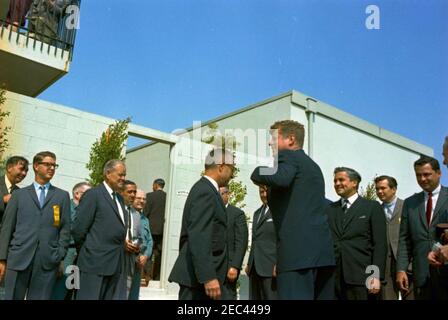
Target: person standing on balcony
44,19
17,13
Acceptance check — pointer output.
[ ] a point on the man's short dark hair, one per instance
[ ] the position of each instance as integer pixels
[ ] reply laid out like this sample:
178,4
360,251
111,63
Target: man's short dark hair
353,175
390,180
129,183
80,185
160,182
291,127
423,160
14,160
217,157
41,155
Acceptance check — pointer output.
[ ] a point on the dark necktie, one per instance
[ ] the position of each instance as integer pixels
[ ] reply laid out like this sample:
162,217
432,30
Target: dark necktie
345,203
42,196
129,223
429,208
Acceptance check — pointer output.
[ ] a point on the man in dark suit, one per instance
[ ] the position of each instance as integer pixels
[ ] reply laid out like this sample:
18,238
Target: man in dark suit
386,190
359,232
421,214
237,236
202,264
99,232
155,212
16,170
296,198
35,234
263,253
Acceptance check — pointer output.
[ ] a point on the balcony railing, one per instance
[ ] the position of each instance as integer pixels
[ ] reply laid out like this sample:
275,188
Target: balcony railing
53,22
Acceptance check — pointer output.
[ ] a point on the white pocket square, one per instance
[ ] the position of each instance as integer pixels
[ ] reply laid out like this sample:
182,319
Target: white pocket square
362,217
269,220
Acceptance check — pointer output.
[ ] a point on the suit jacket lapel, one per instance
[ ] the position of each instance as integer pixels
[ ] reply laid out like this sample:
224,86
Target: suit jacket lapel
32,192
421,210
443,197
216,192
351,212
111,202
338,216
264,217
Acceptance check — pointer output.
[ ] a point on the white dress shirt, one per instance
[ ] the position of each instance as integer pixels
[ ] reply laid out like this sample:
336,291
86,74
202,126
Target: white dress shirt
110,191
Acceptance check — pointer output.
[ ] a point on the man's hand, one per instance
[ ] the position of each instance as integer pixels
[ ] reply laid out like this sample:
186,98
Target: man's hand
403,282
131,248
434,259
212,289
2,269
232,274
444,253
142,261
6,198
60,271
375,286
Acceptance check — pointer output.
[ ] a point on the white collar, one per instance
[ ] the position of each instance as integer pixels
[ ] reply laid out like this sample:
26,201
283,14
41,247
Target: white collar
213,182
436,191
109,189
351,199
8,184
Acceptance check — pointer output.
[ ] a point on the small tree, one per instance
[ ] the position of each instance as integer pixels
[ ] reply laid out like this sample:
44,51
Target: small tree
237,189
4,130
369,192
108,147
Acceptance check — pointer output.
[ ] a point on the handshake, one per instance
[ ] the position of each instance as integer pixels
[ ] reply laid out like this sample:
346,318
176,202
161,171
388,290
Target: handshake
439,253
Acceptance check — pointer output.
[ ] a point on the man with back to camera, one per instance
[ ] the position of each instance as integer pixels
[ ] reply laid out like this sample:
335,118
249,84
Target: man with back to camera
202,264
296,198
237,235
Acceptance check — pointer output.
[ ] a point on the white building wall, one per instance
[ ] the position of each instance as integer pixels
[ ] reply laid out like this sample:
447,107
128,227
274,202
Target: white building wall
145,165
37,125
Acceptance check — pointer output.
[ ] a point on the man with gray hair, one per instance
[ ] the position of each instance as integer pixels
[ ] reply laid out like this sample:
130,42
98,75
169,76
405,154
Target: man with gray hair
358,226
99,232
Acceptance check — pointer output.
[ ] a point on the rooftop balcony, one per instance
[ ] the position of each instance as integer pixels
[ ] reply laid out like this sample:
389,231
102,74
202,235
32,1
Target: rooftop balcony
36,45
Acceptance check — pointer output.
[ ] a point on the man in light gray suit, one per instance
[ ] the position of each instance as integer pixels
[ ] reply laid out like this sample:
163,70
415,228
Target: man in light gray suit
386,190
421,213
35,234
99,233
133,236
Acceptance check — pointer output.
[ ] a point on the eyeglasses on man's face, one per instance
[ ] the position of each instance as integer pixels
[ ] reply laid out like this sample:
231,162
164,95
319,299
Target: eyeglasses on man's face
49,165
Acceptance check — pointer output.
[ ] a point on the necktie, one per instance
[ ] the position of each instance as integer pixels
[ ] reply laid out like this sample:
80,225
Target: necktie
129,224
345,203
41,196
429,208
262,213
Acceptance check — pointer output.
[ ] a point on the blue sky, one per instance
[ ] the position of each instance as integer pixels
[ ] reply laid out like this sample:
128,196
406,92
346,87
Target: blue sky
167,63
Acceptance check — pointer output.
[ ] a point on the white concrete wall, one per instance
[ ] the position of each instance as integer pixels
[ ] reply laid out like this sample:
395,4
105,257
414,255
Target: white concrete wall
147,164
37,125
337,144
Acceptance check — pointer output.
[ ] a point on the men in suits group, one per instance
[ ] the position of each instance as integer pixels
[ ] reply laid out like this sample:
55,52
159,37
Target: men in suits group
263,253
421,214
99,232
237,237
386,190
35,234
155,212
16,171
202,265
359,231
296,198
